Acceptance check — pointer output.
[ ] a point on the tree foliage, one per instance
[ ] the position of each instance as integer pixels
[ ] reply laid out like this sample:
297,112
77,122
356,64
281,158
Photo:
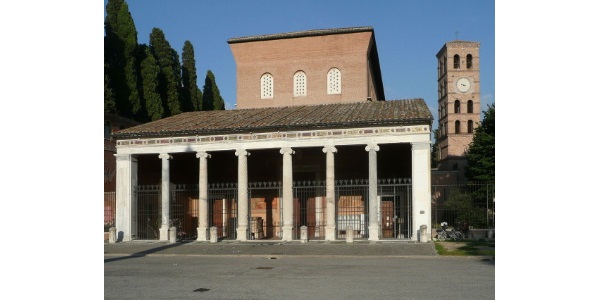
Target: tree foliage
169,78
191,94
148,82
481,155
120,53
211,98
149,73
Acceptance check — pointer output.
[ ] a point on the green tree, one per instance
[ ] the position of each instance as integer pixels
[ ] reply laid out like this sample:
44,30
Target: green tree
169,77
109,97
120,53
481,155
149,74
211,98
435,149
191,94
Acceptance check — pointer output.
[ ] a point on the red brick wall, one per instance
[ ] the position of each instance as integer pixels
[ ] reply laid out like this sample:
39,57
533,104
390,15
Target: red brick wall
314,55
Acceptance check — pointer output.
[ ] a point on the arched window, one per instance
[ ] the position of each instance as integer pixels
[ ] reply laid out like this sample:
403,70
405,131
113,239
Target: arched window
469,61
457,126
266,86
456,61
470,126
470,106
457,107
299,84
334,81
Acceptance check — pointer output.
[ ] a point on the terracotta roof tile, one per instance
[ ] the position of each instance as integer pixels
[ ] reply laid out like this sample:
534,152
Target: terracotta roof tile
363,114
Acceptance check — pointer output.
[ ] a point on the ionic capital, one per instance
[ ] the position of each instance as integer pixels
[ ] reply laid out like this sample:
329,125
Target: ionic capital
242,152
287,150
202,154
331,149
165,156
372,147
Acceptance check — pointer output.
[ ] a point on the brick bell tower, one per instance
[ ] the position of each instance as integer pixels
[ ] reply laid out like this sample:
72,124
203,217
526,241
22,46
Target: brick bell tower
458,103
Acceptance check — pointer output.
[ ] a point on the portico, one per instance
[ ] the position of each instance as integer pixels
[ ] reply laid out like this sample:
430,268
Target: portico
340,138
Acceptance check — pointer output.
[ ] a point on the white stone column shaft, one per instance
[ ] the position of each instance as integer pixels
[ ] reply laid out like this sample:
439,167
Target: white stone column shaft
242,203
288,194
203,197
421,188
165,192
373,201
126,200
330,227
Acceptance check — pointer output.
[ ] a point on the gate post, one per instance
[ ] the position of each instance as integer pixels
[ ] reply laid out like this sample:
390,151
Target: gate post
304,234
349,234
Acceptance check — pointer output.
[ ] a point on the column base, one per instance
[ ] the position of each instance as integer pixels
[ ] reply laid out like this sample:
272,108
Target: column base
287,233
330,233
242,233
373,233
163,233
202,234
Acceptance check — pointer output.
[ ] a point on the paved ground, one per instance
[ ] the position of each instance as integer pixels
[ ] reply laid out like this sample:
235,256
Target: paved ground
272,248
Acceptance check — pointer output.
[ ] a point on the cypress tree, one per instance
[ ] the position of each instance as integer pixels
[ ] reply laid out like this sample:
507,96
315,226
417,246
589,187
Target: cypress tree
191,94
211,98
149,73
120,53
109,97
169,77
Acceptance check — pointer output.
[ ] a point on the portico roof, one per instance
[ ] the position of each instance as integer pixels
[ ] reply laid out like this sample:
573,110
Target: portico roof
253,120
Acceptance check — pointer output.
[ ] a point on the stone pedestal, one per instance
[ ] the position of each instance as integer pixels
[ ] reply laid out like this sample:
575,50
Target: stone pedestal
172,234
303,234
112,235
213,234
349,234
423,234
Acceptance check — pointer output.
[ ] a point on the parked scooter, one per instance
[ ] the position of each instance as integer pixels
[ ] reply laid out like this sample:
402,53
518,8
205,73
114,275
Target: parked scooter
447,233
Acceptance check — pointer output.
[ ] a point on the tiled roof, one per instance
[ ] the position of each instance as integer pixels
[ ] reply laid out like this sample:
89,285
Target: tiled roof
298,34
289,118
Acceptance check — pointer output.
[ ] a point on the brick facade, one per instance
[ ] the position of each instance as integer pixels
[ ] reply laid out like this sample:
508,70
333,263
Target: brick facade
353,52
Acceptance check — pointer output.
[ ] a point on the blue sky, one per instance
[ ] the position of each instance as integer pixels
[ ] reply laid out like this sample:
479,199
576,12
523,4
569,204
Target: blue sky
408,34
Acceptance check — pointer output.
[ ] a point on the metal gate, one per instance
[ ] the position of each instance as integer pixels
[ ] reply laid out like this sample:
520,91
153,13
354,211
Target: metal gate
309,209
395,208
352,207
148,212
223,209
265,210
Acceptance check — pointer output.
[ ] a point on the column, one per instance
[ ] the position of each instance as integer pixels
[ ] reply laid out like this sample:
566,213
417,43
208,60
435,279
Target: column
164,227
203,197
242,203
373,201
126,200
421,188
330,193
288,194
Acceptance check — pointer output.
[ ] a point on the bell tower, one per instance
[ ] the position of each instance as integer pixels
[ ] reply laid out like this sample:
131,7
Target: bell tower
458,102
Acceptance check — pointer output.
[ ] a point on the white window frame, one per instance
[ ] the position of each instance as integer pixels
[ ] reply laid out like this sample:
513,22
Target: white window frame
334,81
266,86
300,87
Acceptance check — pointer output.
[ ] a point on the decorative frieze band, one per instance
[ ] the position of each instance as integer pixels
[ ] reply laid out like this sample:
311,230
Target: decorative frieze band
308,134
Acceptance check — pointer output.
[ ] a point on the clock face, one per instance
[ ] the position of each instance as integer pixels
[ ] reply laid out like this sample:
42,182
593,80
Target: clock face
463,84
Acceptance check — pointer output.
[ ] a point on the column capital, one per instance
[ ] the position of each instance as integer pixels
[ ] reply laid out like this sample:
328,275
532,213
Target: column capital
372,147
242,152
331,149
287,150
165,156
202,154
